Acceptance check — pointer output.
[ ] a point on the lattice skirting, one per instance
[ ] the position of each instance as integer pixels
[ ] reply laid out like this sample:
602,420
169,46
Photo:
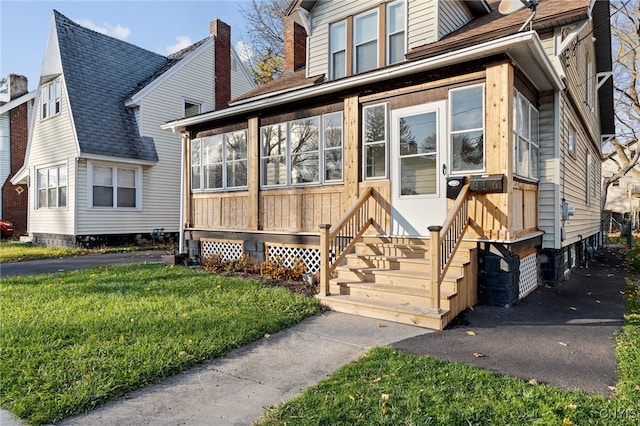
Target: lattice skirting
227,250
289,253
528,274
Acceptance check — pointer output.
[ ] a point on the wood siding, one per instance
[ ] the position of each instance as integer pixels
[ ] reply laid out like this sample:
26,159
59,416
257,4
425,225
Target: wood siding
451,16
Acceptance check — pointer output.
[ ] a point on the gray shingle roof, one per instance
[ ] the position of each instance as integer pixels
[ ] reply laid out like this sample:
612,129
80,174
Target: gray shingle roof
99,72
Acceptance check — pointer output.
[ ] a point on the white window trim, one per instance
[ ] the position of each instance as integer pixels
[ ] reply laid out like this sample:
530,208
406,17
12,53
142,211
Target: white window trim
49,102
64,165
386,143
451,133
191,101
288,155
202,166
529,140
572,147
138,177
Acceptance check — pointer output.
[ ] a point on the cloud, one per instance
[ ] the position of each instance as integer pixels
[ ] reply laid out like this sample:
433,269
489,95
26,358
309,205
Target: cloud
244,51
182,42
117,31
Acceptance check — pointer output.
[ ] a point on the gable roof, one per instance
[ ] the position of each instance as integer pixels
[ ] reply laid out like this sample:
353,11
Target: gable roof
99,72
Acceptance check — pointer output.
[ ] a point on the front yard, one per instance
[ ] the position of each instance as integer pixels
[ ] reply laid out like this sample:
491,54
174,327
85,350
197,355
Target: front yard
72,341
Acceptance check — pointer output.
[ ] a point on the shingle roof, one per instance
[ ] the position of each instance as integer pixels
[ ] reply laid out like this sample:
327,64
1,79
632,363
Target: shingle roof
99,72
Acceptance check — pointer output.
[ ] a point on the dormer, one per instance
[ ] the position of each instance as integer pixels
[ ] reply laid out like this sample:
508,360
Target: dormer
349,38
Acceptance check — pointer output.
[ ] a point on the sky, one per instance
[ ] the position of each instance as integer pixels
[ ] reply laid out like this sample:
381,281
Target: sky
161,26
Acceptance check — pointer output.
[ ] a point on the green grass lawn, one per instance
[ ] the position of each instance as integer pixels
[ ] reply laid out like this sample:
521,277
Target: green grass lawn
11,251
72,341
388,387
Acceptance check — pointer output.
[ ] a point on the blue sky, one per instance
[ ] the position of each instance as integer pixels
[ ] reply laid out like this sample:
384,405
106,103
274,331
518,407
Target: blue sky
160,26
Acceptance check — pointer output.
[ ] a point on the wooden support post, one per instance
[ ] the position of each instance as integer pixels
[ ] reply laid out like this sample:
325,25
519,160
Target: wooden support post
436,260
324,259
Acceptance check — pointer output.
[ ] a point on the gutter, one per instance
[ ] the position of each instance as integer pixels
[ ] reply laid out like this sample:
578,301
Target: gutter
528,40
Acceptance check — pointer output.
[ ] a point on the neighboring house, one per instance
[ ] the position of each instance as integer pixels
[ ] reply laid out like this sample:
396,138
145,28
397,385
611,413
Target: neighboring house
100,169
623,198
421,157
15,119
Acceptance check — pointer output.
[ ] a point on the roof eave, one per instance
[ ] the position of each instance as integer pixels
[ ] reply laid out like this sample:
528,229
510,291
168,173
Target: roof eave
521,47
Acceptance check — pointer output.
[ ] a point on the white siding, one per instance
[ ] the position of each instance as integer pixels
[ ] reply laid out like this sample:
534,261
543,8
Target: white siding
5,151
241,81
549,190
421,26
53,142
451,16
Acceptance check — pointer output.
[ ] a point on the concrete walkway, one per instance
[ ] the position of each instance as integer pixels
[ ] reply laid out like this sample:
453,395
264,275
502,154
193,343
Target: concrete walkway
237,389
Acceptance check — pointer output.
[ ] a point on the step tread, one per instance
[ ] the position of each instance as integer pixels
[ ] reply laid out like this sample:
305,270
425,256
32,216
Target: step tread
378,304
398,289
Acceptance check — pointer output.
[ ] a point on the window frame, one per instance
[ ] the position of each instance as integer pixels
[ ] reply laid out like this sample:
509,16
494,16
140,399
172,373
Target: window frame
57,186
382,142
452,133
115,186
332,63
192,103
226,158
288,154
53,99
356,44
388,33
572,141
527,138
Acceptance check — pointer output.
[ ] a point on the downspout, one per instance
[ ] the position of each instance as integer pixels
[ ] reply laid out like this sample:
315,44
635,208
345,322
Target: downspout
183,143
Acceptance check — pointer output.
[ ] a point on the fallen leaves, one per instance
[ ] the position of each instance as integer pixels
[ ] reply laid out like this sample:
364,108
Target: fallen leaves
533,382
471,333
478,355
562,344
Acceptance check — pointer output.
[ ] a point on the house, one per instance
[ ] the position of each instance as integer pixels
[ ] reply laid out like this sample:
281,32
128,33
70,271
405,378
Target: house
623,198
420,157
15,118
100,169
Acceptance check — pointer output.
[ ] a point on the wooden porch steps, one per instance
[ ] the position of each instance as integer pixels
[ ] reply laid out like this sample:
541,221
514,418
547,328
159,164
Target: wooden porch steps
389,278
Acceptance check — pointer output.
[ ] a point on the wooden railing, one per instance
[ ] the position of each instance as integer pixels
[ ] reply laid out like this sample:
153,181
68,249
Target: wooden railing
445,240
339,239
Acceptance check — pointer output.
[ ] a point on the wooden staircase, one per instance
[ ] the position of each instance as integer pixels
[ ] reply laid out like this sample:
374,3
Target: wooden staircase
389,278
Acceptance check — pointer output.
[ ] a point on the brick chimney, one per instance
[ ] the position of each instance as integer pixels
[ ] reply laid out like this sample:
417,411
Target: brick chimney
222,67
16,85
295,45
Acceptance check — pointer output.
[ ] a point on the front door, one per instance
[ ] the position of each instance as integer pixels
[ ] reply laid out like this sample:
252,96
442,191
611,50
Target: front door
418,169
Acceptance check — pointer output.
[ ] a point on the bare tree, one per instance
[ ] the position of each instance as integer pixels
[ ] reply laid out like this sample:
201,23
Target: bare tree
265,32
624,150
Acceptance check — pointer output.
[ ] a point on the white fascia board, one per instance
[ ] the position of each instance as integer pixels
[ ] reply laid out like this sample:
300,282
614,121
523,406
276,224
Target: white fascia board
112,159
521,47
17,101
137,97
21,176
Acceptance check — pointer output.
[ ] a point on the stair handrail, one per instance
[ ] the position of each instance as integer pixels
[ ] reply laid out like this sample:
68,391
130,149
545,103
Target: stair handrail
445,240
342,237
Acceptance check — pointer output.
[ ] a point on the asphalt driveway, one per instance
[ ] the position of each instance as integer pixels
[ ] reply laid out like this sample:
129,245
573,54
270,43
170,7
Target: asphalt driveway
49,266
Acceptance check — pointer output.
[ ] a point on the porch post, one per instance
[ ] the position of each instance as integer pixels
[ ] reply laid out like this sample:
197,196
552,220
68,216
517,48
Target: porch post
324,259
436,260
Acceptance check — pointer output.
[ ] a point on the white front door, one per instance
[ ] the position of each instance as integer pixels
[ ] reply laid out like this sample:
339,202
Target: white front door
418,170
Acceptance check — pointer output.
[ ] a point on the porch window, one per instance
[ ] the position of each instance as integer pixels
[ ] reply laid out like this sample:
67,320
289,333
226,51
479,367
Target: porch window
525,137
338,50
114,187
365,38
332,146
219,161
467,129
52,187
305,151
395,32
50,99
374,138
